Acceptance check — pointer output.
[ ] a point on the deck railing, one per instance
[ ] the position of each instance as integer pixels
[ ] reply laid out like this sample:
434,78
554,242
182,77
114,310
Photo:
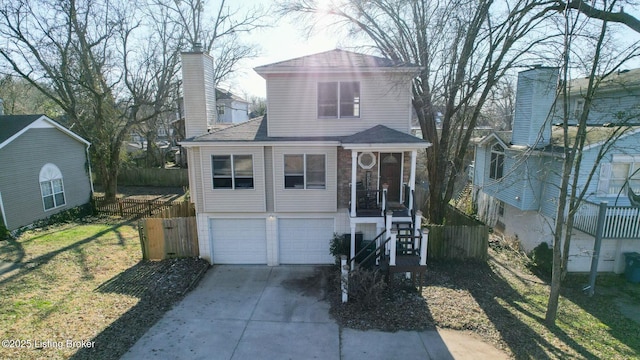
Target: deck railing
621,222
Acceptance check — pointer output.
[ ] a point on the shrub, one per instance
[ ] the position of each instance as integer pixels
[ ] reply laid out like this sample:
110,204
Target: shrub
366,287
4,233
542,258
339,246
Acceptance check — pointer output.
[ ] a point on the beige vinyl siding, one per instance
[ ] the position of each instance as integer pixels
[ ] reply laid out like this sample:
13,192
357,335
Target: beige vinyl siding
22,160
199,93
305,200
384,99
268,177
233,200
195,178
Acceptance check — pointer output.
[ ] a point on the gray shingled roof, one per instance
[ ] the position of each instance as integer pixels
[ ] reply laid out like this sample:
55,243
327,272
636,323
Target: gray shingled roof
12,124
256,130
381,134
624,79
334,59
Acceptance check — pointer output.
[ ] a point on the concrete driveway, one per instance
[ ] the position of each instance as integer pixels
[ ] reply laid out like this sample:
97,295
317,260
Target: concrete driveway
260,312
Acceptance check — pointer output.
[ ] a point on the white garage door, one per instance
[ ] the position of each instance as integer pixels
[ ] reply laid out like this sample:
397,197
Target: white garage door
238,241
305,241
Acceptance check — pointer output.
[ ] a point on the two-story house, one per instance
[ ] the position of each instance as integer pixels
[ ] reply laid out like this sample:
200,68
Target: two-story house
232,109
334,155
518,173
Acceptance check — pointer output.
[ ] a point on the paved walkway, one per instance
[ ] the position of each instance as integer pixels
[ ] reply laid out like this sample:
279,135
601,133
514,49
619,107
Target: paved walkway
259,312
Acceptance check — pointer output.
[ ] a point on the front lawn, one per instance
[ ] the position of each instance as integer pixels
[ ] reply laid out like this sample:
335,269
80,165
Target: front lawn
81,290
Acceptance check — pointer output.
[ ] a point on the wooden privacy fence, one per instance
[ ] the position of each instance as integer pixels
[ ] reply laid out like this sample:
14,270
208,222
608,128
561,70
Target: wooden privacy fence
131,207
458,242
152,177
170,237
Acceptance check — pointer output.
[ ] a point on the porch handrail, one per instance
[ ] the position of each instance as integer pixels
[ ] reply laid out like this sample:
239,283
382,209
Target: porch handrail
364,248
377,250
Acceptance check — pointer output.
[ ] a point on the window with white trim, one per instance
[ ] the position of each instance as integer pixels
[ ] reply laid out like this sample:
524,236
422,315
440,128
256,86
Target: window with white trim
232,171
496,167
339,99
51,187
620,172
305,171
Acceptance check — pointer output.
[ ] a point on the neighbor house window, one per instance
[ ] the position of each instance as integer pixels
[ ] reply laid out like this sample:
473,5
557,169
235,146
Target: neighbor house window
304,171
497,162
232,171
620,172
220,109
339,99
51,187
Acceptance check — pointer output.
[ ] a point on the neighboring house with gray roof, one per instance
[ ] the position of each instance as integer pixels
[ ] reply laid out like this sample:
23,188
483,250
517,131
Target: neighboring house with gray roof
334,153
232,109
45,169
518,173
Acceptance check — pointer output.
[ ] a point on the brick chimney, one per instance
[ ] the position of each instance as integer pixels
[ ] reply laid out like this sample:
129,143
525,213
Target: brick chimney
199,92
535,95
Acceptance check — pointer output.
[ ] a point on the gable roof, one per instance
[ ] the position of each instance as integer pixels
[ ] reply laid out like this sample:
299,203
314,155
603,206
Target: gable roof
12,126
228,95
255,130
336,61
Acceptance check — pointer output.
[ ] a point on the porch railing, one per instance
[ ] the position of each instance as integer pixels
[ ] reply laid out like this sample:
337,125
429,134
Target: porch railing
621,222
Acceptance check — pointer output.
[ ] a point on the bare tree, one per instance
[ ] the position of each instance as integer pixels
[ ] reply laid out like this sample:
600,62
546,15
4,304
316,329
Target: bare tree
575,179
219,34
96,61
464,48
20,97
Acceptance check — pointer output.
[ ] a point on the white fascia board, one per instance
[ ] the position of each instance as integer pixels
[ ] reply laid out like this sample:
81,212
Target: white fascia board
44,122
256,143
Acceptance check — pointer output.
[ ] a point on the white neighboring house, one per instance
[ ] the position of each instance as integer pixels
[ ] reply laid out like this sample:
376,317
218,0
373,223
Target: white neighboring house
232,109
335,154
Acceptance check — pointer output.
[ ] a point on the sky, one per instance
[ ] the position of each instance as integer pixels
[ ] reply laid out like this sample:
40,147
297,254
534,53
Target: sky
285,40
282,41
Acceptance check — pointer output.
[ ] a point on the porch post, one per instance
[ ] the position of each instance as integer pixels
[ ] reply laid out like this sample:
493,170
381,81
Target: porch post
352,253
602,213
385,190
354,162
388,224
392,245
417,225
423,246
412,177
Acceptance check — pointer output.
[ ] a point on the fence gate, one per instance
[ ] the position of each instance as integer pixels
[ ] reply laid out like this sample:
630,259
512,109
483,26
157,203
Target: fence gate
168,238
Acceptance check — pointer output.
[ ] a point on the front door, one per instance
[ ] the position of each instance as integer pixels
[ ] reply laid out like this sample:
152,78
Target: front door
390,173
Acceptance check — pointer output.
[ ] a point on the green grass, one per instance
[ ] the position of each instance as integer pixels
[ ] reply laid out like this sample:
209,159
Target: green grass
51,295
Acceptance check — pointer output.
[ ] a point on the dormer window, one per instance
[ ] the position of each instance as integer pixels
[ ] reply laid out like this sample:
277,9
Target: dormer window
339,99
497,162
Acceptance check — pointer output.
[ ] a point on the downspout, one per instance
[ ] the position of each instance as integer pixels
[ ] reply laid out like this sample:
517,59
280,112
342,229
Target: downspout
90,171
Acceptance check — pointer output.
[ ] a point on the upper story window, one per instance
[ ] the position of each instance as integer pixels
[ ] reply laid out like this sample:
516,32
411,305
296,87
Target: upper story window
338,99
622,171
305,171
232,171
497,162
51,187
